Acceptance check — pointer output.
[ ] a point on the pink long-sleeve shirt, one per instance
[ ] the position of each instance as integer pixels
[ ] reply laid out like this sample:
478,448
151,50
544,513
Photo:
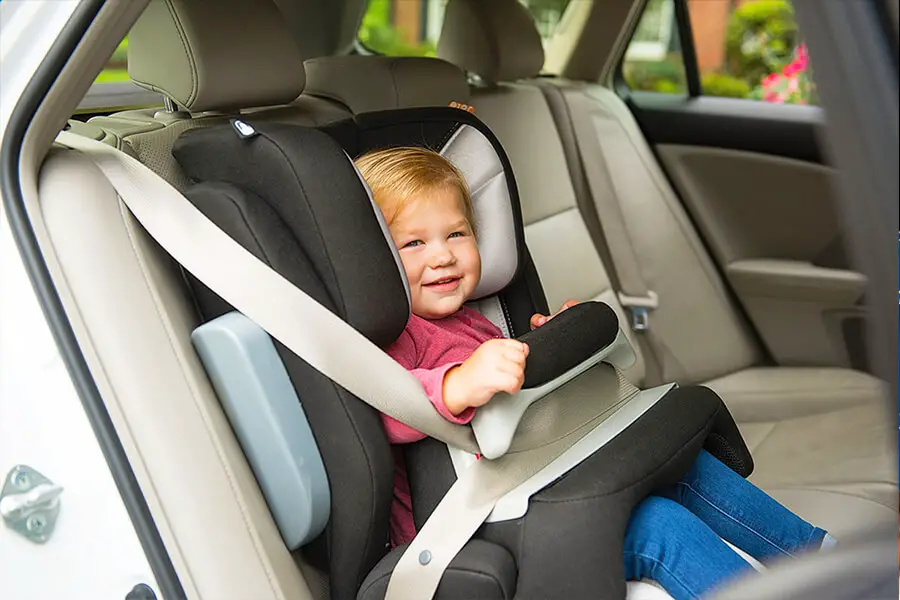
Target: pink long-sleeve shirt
428,349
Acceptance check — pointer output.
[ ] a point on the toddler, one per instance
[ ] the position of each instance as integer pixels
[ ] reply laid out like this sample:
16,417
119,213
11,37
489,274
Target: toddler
462,359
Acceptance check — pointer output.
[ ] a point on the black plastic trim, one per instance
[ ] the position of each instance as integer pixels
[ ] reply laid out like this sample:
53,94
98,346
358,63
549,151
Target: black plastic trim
23,234
789,131
688,52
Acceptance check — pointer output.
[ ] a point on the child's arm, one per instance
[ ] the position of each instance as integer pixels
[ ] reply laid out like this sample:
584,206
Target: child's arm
457,389
432,380
496,366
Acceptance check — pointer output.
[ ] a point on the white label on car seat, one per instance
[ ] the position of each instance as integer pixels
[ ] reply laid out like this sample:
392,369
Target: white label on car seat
243,130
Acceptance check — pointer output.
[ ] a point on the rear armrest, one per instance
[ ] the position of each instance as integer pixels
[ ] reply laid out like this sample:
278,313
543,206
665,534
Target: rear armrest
796,280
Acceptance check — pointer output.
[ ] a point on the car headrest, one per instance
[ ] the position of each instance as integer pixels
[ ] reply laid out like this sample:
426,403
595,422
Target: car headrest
216,55
497,40
370,83
323,28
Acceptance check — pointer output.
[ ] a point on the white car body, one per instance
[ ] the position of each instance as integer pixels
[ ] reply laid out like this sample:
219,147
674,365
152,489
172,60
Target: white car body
93,551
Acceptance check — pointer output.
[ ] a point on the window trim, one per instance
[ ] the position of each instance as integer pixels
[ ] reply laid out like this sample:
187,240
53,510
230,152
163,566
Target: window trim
652,51
688,51
116,96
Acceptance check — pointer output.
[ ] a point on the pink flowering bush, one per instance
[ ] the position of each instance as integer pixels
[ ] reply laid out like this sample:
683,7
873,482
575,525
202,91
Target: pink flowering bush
791,85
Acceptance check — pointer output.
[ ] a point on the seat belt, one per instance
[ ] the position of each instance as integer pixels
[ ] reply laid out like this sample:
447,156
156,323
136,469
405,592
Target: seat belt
631,288
633,291
338,351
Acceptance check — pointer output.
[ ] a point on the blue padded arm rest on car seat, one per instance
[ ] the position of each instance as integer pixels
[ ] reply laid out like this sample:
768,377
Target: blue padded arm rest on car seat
268,419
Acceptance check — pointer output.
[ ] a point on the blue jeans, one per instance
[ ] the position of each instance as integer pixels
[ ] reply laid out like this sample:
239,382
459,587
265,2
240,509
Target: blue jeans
673,537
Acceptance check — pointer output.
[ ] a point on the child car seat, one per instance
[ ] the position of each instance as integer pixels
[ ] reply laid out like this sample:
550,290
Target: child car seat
291,196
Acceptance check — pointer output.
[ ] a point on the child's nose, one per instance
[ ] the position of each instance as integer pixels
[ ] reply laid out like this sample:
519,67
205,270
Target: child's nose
443,257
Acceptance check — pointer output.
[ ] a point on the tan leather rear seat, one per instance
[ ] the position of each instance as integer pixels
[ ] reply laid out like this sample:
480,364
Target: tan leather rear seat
823,441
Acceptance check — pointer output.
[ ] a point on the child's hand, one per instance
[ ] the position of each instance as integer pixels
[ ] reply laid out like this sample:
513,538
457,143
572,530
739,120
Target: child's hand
538,319
496,366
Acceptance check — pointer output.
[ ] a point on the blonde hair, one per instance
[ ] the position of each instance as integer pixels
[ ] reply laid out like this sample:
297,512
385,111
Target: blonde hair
397,176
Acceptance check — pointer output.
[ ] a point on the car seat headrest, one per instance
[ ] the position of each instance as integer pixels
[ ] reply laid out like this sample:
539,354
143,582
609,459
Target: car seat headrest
369,83
217,55
292,196
479,162
497,40
323,28
474,150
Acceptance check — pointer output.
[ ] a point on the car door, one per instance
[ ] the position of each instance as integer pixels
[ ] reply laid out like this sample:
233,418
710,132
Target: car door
725,93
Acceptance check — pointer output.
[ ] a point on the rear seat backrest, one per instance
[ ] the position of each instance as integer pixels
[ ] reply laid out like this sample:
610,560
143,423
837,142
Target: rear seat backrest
323,28
372,83
212,59
693,302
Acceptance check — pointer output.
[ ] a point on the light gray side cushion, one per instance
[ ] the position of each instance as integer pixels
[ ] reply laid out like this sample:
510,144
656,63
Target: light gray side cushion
268,419
473,154
215,55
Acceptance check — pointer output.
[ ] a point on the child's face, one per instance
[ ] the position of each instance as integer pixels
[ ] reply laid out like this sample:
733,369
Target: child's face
439,253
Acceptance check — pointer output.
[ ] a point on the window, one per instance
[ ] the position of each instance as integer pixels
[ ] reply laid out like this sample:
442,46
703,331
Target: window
116,68
653,59
744,49
113,90
412,27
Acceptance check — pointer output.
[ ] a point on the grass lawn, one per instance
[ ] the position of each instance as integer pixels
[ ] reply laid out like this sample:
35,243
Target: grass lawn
112,75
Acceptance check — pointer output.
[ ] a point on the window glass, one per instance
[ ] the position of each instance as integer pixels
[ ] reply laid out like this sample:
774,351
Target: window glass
412,27
653,61
116,68
744,49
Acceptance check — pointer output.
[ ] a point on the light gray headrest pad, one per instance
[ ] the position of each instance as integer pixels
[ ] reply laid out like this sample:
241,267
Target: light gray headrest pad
473,154
216,54
370,83
323,27
495,39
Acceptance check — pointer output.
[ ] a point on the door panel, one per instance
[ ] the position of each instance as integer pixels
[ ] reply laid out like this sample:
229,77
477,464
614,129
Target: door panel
752,177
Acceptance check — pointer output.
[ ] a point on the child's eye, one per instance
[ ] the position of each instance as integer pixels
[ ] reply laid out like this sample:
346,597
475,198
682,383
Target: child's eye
457,234
413,244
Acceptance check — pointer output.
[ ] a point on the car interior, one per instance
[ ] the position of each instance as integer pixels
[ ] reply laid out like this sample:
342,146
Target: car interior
708,225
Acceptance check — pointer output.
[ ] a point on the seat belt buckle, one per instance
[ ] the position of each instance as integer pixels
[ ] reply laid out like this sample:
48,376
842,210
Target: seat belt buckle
639,308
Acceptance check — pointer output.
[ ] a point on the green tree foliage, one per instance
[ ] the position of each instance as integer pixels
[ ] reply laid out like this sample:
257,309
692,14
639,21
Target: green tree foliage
760,39
719,84
379,35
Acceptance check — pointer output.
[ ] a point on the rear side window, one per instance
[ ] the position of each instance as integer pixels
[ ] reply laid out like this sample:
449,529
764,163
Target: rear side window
412,27
748,49
116,68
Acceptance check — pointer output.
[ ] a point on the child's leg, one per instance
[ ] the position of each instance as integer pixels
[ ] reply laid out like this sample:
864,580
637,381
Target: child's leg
667,543
742,513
